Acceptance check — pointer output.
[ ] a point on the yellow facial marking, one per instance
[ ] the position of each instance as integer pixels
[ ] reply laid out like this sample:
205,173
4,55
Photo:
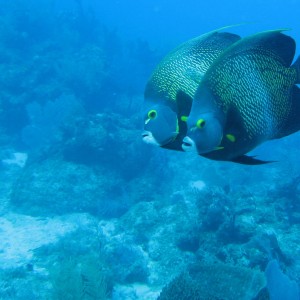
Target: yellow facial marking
219,148
231,137
177,126
200,123
183,118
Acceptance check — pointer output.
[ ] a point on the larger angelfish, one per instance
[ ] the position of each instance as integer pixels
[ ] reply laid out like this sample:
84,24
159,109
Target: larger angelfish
170,89
248,96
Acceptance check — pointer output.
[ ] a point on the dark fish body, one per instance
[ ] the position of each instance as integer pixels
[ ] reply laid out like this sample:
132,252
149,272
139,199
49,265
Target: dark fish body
251,89
176,78
176,72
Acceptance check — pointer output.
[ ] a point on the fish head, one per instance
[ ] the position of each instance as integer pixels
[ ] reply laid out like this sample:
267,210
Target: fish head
205,123
205,133
160,125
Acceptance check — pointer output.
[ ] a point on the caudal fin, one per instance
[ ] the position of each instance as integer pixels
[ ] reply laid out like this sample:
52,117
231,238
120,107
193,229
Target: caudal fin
292,123
296,65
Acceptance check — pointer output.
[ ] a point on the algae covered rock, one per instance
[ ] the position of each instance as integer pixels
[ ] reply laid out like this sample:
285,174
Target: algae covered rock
87,171
127,263
58,187
182,288
215,281
110,140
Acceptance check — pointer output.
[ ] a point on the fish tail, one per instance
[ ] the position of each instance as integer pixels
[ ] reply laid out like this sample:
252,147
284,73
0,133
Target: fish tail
295,120
292,123
296,65
296,97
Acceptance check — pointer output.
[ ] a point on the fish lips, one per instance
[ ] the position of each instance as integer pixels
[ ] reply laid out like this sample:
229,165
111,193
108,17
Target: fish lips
148,138
188,145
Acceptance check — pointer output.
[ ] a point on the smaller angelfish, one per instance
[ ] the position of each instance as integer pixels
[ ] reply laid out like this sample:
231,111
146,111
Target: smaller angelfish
171,88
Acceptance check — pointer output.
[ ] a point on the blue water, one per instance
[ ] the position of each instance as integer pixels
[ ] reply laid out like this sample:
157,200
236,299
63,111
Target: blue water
89,211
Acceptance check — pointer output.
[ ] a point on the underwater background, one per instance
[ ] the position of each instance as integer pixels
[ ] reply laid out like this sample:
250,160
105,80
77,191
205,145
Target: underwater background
87,210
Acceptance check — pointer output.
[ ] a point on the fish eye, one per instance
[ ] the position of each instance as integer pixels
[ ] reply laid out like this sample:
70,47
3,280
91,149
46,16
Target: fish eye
152,114
200,123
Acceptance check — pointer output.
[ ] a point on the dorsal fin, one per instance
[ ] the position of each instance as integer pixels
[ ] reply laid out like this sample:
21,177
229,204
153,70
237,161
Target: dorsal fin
221,39
224,35
274,41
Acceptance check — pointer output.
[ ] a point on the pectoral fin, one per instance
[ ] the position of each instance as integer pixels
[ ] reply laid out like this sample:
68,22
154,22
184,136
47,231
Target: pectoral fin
184,105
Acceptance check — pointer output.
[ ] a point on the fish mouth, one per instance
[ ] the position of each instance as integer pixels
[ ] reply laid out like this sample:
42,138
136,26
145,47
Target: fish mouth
145,134
188,144
148,138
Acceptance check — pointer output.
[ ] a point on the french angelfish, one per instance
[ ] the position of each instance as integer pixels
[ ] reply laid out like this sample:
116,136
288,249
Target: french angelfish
248,96
170,89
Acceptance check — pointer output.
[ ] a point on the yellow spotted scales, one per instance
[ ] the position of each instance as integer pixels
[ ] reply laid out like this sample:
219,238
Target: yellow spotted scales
258,85
183,68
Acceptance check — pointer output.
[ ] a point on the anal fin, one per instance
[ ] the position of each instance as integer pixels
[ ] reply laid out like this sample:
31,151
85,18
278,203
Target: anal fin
249,160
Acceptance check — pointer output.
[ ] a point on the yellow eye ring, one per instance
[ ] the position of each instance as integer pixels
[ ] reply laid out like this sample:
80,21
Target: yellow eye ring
200,123
152,114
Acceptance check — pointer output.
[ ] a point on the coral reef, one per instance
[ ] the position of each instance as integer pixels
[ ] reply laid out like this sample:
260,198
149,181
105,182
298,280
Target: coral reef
87,210
85,172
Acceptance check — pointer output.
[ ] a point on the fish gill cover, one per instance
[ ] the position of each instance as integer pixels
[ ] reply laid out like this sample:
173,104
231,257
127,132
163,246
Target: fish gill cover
88,211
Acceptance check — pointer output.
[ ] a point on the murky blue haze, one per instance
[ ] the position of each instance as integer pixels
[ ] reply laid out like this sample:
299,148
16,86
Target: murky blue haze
89,211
